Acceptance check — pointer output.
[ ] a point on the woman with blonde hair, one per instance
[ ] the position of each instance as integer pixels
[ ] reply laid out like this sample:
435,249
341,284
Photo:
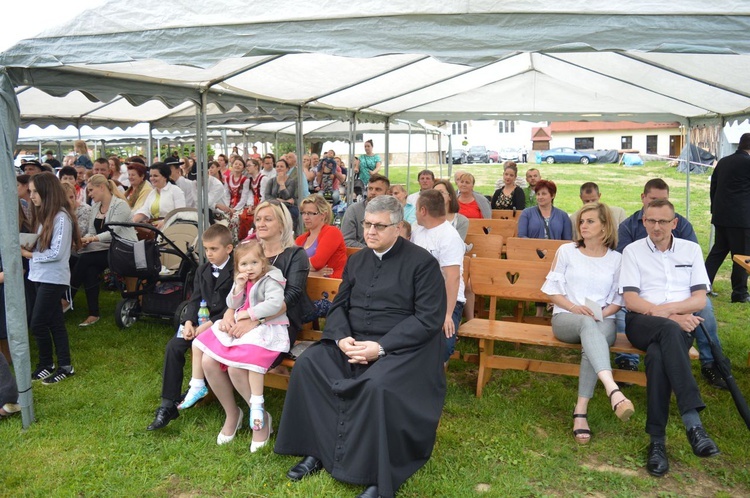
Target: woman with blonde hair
585,271
109,205
274,231
470,203
323,243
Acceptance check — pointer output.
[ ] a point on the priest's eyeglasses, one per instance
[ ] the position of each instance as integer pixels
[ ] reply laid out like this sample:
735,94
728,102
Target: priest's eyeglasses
379,227
662,223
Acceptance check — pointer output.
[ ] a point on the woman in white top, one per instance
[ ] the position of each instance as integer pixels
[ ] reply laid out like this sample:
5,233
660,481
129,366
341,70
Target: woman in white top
588,269
164,197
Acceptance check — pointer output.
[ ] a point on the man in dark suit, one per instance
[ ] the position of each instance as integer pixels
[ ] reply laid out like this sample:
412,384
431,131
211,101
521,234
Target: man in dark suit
213,281
730,214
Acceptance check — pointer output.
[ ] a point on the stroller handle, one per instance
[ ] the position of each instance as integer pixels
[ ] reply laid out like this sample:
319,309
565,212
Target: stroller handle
146,226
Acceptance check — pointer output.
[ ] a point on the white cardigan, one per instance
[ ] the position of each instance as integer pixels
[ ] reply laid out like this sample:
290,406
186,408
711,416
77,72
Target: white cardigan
172,198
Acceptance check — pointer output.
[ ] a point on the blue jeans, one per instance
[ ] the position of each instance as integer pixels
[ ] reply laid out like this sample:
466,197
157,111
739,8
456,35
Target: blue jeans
704,350
450,342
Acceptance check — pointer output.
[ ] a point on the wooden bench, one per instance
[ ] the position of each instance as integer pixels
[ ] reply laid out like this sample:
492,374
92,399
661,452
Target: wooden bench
521,281
532,249
506,228
506,214
316,287
484,245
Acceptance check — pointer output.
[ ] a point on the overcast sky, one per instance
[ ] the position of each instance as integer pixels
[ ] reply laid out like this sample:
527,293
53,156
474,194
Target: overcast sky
28,18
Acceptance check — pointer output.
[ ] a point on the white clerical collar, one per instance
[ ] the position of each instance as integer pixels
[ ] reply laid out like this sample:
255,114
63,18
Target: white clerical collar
381,254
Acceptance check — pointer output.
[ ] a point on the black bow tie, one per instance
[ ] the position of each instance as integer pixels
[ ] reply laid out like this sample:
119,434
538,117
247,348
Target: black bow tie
215,269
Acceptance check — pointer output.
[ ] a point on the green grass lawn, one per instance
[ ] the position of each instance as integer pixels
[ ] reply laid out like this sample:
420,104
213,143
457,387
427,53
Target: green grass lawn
90,438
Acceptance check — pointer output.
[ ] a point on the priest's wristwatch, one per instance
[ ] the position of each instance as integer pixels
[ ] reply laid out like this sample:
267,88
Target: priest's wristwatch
381,351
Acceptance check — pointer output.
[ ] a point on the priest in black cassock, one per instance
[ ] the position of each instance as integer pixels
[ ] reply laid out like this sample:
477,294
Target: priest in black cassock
364,403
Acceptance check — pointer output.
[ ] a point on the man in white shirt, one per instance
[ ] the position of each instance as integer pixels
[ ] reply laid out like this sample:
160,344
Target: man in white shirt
188,187
434,233
664,282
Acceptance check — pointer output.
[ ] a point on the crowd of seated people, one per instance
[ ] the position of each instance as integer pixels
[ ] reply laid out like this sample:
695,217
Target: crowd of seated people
263,287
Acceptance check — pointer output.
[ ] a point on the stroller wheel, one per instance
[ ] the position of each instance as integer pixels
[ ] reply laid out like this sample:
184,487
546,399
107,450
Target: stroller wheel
125,312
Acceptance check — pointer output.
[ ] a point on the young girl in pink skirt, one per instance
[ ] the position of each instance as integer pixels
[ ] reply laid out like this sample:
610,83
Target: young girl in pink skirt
257,295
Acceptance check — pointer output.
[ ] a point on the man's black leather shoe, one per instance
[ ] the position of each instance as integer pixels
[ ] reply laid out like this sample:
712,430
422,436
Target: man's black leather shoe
305,467
657,464
741,300
369,492
703,446
162,417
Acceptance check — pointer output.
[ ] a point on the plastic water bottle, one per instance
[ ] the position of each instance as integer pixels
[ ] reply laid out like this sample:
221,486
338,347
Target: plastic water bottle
203,314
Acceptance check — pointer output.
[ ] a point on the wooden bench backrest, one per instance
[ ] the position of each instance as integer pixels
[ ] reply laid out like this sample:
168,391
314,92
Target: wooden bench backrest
532,249
484,246
352,250
316,286
506,214
467,269
508,279
506,228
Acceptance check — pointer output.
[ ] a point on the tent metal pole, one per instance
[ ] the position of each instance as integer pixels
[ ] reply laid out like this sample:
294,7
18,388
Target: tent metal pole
449,157
300,146
224,142
158,149
426,146
150,154
201,141
276,145
59,152
244,144
408,158
40,152
387,152
440,154
350,179
687,181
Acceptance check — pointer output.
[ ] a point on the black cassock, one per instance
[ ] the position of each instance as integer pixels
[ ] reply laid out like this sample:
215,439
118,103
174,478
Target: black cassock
376,423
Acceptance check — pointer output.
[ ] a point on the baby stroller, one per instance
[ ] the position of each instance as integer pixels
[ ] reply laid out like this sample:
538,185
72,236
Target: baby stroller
158,271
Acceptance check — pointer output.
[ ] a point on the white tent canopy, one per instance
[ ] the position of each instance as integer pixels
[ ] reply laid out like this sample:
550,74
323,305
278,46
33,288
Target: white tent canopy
545,60
173,63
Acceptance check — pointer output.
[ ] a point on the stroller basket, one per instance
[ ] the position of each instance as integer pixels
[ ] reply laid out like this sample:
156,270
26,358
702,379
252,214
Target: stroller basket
134,259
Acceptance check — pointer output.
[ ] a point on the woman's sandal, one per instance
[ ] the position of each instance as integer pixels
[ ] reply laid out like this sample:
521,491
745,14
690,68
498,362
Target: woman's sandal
257,417
582,436
624,408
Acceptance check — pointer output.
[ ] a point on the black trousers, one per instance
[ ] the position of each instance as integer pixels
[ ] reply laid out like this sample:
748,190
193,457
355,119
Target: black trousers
48,326
735,241
668,368
86,272
174,365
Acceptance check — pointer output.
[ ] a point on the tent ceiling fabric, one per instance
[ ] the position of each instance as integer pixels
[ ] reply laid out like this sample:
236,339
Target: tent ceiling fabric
547,60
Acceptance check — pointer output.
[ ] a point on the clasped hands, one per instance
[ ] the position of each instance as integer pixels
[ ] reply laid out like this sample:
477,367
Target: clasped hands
362,352
687,321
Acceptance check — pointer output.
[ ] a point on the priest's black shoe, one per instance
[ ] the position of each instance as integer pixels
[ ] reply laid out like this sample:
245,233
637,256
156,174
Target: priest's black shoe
741,299
305,467
369,492
703,446
163,417
657,464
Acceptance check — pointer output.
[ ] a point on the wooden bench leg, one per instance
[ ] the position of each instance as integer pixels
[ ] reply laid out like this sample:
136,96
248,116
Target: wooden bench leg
486,349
